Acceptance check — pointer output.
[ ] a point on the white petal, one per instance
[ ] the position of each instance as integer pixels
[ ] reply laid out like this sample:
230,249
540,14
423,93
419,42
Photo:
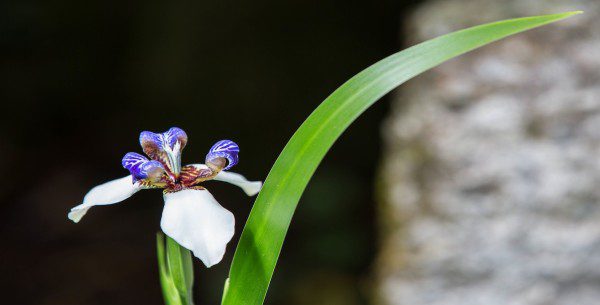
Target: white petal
198,222
251,188
108,193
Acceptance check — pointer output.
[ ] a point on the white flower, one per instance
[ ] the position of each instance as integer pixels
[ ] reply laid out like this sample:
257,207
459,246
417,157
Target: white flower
191,215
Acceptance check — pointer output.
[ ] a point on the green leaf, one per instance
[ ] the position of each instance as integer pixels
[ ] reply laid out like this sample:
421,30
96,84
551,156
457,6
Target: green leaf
176,271
265,230
170,293
179,260
225,288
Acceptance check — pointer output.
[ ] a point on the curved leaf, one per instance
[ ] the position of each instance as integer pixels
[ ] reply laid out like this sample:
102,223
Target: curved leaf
263,235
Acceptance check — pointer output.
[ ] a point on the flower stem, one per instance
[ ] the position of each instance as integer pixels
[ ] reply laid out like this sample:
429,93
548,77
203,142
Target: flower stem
176,271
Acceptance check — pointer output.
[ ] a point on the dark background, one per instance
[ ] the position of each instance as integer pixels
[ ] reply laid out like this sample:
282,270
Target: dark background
80,79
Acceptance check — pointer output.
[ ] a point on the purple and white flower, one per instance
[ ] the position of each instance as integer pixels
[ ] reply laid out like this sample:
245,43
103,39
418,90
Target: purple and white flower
191,215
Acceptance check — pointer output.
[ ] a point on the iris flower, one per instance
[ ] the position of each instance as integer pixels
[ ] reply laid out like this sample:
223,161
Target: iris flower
191,215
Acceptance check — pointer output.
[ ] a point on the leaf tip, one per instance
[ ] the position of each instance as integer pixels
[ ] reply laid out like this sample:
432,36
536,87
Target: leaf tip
560,16
564,15
568,14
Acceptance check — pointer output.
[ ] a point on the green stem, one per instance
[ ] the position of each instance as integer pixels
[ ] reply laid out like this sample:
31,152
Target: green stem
176,271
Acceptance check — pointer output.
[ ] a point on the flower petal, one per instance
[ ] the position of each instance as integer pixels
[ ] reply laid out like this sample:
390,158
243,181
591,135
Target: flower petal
251,188
175,135
108,193
192,175
152,144
165,147
141,168
224,149
198,222
132,160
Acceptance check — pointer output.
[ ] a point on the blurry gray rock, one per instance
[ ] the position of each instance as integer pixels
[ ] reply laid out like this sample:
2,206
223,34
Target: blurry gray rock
490,188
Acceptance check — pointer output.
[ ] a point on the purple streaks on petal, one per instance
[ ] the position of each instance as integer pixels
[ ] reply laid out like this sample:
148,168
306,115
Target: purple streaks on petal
152,144
175,134
132,160
151,170
140,167
225,149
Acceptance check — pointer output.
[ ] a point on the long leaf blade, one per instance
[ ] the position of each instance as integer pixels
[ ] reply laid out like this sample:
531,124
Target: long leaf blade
261,241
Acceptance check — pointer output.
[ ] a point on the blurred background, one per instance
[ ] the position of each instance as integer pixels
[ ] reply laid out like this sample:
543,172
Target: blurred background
80,80
476,181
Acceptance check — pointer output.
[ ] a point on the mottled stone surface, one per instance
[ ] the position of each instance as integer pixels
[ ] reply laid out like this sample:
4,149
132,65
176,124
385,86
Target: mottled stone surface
491,172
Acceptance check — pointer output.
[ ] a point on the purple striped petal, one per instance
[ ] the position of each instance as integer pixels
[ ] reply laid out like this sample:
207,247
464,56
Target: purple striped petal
224,149
155,143
152,144
165,147
141,168
132,161
151,171
175,134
